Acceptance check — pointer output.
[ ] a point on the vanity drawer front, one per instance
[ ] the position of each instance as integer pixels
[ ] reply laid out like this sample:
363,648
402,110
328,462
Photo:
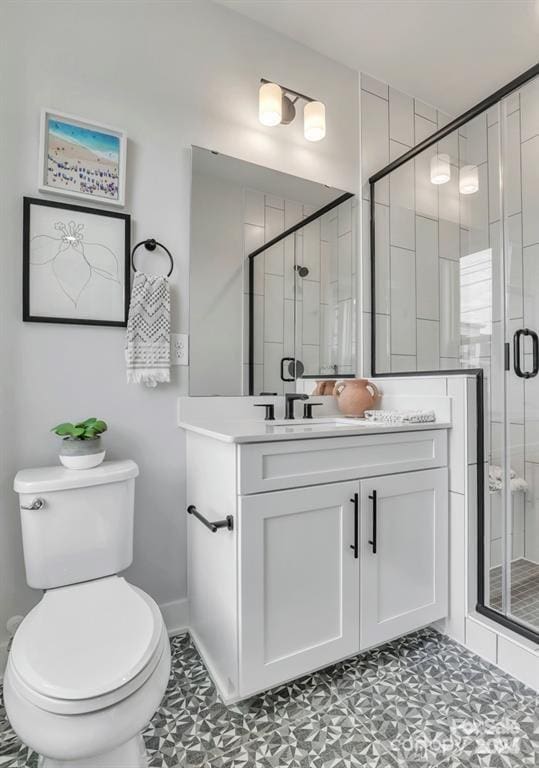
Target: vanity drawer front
295,463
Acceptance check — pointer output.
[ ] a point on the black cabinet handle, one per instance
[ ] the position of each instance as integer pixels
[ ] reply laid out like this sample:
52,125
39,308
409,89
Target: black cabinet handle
355,545
227,523
516,353
373,541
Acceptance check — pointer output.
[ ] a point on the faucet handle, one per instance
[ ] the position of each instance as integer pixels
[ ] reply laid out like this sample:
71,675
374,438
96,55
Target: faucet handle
308,409
270,410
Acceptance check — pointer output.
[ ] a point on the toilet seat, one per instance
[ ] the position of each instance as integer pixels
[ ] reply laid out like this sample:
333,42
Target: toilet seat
87,646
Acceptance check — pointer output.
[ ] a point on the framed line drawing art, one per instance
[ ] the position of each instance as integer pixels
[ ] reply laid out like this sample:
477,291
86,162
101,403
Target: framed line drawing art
81,159
75,264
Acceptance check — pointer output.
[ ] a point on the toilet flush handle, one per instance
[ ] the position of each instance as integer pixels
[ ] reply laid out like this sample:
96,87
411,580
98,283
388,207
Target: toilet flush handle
36,504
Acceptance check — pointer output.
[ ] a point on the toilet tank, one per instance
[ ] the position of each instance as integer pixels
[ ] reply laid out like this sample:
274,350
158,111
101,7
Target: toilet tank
81,527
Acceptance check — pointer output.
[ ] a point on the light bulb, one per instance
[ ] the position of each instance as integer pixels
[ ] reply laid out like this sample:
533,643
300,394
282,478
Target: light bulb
270,104
468,180
314,121
440,169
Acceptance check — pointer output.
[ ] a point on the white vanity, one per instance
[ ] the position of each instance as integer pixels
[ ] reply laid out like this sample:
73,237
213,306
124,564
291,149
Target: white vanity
330,535
337,540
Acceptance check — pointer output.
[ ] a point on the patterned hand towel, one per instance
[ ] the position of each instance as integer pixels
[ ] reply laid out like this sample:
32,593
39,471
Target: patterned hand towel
147,352
400,417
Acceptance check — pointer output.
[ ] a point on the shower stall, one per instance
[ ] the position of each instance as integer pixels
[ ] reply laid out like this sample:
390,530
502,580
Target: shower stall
455,289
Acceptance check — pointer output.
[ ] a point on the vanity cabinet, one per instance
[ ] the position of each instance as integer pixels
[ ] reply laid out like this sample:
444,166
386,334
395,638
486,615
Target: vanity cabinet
403,554
299,582
334,549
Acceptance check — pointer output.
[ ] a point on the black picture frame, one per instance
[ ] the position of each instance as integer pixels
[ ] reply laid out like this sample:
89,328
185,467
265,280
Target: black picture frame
27,315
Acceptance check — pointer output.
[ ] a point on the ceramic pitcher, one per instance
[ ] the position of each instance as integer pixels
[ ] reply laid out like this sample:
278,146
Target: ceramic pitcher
355,396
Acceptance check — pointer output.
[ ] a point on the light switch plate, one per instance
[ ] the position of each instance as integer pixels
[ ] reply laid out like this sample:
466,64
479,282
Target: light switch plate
179,349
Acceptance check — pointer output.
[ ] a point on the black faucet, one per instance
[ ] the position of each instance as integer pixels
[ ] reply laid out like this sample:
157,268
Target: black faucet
290,398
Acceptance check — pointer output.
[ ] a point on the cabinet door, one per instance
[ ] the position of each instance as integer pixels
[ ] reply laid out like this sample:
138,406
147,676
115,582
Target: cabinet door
299,582
403,553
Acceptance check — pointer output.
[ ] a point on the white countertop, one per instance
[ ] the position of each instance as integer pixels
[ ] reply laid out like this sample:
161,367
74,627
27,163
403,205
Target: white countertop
235,430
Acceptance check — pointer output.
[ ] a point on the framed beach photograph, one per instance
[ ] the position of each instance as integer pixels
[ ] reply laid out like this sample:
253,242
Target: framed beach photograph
81,159
75,264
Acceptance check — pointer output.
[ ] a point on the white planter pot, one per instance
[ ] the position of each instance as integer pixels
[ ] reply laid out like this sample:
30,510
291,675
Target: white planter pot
82,454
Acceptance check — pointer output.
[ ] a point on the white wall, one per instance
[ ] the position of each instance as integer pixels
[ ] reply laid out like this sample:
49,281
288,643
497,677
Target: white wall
170,74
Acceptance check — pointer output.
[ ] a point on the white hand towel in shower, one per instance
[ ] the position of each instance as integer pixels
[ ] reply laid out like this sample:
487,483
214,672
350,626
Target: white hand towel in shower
147,352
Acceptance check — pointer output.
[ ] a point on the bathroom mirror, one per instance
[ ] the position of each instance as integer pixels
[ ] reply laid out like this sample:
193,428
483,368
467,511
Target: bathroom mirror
272,279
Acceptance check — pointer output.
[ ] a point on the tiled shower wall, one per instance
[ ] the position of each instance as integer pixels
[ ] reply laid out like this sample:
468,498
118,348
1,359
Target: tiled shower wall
309,318
418,236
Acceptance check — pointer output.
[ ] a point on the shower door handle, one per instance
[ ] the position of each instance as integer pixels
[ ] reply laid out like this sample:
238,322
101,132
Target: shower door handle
516,353
535,354
295,368
283,361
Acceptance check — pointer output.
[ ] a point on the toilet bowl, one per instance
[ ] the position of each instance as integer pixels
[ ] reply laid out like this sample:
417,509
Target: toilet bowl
90,663
87,670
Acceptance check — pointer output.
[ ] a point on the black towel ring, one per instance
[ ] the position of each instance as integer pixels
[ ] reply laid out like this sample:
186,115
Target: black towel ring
151,244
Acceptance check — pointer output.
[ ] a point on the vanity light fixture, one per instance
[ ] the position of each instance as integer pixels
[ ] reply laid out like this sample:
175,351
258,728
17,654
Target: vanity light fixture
314,120
468,179
277,106
270,101
440,169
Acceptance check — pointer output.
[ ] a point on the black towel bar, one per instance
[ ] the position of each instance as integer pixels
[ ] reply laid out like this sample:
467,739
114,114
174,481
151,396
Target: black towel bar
227,523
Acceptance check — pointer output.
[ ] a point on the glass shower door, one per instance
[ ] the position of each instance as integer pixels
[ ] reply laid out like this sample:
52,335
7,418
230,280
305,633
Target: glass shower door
519,138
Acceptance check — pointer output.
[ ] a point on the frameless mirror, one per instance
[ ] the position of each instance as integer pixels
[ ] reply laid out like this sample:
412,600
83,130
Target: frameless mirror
272,279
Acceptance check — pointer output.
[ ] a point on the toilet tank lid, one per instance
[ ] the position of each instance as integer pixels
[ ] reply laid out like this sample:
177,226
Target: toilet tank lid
60,478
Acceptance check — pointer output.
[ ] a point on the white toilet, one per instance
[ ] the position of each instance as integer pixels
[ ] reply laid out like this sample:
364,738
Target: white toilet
90,663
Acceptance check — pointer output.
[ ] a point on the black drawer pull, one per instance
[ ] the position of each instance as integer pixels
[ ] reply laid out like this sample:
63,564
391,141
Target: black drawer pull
373,541
227,523
355,545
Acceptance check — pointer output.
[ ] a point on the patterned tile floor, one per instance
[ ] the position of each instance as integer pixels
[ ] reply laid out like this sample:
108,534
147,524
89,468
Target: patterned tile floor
524,591
420,701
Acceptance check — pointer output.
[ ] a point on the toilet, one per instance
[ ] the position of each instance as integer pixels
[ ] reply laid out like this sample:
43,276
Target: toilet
89,664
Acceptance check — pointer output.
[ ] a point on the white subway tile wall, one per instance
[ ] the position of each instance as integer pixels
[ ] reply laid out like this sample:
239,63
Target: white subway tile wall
418,225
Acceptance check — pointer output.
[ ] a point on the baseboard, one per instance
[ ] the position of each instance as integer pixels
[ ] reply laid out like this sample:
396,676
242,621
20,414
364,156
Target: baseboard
176,616
501,647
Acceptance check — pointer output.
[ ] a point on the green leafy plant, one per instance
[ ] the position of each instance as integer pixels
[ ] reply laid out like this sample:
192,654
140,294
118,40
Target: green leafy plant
84,430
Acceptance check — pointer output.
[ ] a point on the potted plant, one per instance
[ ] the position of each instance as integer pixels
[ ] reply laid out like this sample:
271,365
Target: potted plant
81,446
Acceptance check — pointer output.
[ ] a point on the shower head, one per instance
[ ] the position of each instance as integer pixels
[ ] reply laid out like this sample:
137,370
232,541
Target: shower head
302,271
